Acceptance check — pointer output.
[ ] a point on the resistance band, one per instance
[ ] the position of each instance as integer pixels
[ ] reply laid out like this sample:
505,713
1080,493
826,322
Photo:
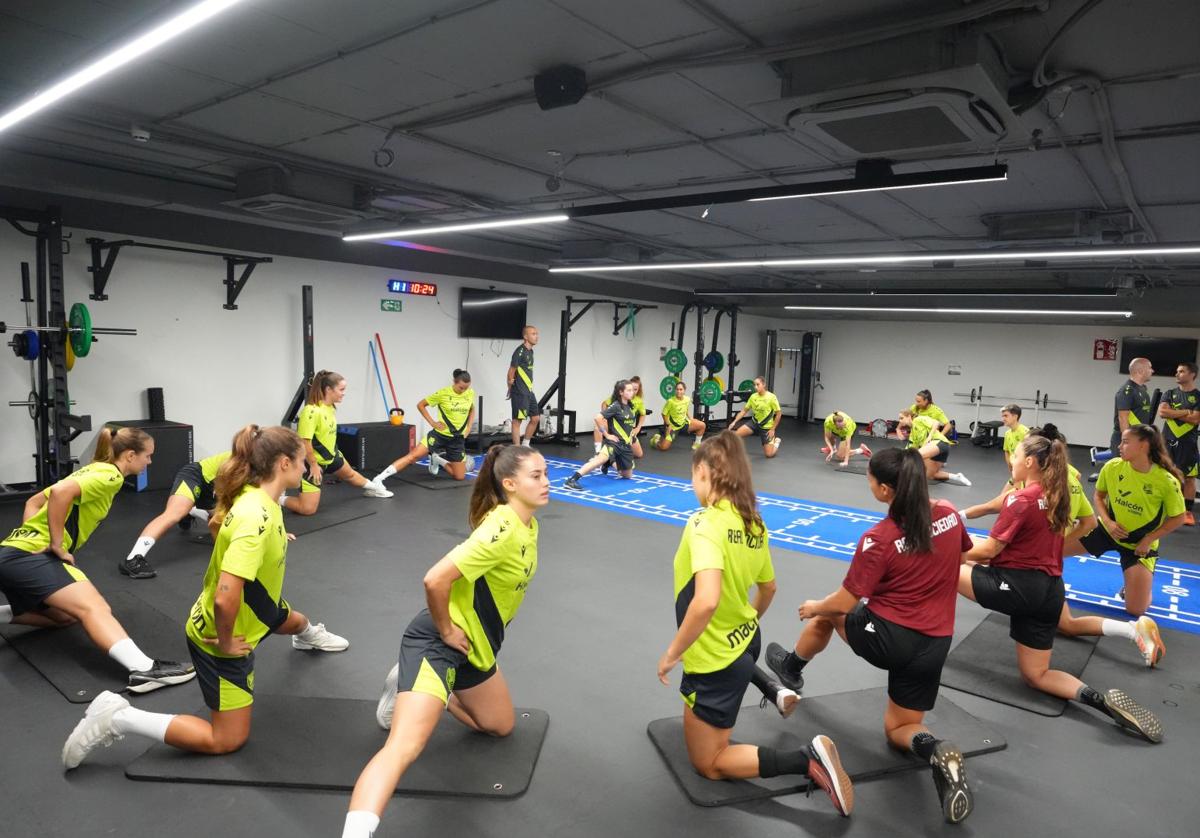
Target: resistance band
383,357
378,376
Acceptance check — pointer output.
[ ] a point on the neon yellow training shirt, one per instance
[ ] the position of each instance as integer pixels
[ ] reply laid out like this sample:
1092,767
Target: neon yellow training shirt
497,562
98,485
848,426
318,422
455,409
209,466
1138,501
932,411
251,544
762,408
676,411
1013,438
925,429
715,538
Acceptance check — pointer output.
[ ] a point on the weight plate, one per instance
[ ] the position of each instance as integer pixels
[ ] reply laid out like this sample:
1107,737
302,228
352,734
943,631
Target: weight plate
33,345
32,398
746,385
879,428
70,356
666,387
81,330
720,383
675,360
714,362
709,392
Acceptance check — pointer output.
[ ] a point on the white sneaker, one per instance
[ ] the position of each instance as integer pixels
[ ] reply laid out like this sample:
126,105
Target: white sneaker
94,730
959,478
322,640
776,442
375,490
696,444
1148,640
199,514
387,701
786,701
469,461
435,464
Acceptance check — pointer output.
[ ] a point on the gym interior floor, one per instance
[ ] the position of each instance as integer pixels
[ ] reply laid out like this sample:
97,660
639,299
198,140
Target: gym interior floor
584,648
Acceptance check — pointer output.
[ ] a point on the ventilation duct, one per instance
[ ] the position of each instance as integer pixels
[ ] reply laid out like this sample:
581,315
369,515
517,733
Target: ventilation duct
1074,225
298,197
932,91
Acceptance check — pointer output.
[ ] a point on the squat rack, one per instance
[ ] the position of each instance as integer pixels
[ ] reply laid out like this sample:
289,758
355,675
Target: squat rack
701,309
567,320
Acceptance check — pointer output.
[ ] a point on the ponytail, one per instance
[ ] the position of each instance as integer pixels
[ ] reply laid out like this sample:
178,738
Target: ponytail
1051,457
322,381
110,446
903,470
501,462
255,453
1158,451
729,473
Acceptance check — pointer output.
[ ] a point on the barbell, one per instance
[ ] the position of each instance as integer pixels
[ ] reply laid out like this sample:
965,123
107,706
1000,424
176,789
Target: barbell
78,332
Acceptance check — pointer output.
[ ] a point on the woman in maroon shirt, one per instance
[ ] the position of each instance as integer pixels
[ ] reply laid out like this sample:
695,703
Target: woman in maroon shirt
1017,571
906,567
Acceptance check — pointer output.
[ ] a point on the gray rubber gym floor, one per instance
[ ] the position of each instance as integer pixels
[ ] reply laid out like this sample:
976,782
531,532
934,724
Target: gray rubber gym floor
584,648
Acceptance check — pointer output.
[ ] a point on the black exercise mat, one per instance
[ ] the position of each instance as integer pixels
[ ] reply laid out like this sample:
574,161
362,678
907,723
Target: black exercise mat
853,720
323,743
74,666
418,475
985,664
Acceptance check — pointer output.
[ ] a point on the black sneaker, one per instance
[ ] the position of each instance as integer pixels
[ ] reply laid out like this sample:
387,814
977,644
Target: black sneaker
136,567
776,655
1132,716
185,523
604,467
573,483
162,674
950,779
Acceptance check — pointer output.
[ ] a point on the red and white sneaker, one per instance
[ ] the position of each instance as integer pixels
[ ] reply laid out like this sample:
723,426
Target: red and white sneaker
826,771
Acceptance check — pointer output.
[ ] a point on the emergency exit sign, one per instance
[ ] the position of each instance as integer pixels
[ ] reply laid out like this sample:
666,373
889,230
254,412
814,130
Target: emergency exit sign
390,305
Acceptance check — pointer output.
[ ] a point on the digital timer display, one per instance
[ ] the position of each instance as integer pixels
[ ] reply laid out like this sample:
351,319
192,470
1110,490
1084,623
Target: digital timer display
405,286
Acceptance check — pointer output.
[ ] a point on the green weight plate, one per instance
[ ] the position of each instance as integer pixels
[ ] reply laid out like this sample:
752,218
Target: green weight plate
714,362
675,360
710,393
81,330
666,387
747,384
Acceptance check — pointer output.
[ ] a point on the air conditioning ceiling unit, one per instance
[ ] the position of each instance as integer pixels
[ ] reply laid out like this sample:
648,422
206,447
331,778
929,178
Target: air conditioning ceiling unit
929,92
299,197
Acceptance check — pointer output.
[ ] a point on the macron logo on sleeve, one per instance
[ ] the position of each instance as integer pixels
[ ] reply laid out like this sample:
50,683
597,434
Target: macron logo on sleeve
1004,586
868,543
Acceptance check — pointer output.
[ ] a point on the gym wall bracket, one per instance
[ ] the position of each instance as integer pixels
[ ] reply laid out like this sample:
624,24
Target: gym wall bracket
104,256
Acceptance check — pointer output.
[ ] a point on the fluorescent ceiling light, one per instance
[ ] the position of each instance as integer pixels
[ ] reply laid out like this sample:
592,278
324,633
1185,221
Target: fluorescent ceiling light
798,292
1083,253
850,189
119,57
412,232
1012,311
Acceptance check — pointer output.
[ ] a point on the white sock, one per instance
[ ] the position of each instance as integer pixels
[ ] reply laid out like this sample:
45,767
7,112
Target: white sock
525,442
597,447
384,475
307,634
6,615
1117,628
127,653
151,725
360,824
141,547
283,499
199,514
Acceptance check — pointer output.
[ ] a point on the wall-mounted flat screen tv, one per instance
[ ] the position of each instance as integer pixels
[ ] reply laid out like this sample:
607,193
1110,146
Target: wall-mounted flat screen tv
1164,353
491,314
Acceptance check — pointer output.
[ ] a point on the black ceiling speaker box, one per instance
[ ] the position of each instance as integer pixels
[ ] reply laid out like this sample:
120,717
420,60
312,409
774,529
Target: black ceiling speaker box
559,87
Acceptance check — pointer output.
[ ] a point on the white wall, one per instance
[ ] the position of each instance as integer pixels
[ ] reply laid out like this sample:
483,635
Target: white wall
222,369
872,369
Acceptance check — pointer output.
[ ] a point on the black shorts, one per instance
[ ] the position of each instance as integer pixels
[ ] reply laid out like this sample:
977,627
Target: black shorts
716,697
758,429
225,683
1184,453
913,660
1033,601
190,483
28,578
450,448
524,405
620,455
943,453
428,665
333,466
1099,542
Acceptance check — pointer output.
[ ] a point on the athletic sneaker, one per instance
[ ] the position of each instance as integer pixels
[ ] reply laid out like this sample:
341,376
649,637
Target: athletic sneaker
776,442
95,729
387,701
950,779
136,567
185,523
776,655
161,674
1132,716
469,462
1092,455
434,465
374,490
826,772
654,440
199,514
323,640
824,449
864,450
696,444
573,483
604,467
785,700
959,478
1148,640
